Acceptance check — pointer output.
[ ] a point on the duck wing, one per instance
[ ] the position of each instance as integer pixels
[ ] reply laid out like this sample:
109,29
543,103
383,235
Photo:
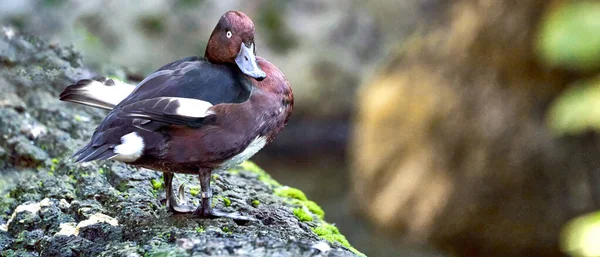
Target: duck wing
170,110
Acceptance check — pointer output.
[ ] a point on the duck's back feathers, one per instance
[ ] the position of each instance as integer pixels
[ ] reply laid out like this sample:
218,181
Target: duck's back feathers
195,78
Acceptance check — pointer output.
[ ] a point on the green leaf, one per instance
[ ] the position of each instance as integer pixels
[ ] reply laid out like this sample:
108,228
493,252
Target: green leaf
577,109
580,236
569,36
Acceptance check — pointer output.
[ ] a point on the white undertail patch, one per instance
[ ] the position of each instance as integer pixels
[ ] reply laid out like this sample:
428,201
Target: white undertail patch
130,149
253,148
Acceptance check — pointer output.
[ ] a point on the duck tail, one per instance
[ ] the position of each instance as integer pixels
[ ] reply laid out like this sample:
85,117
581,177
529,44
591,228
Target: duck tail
90,153
101,92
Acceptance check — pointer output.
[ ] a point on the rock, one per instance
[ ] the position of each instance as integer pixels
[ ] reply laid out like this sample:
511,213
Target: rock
5,240
451,144
54,207
64,246
99,226
2,156
25,217
26,154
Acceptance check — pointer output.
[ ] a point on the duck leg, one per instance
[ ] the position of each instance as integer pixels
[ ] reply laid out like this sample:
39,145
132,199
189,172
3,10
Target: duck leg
172,204
205,209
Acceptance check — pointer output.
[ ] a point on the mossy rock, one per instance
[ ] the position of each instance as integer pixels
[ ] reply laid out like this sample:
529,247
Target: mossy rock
54,207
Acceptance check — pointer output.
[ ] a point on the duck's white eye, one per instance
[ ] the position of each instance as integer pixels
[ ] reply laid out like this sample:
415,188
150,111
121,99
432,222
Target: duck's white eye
229,34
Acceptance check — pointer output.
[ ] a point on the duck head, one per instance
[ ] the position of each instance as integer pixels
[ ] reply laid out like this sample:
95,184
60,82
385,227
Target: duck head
232,41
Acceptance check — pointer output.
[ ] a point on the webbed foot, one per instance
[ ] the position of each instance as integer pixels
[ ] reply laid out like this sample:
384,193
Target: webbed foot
212,213
173,204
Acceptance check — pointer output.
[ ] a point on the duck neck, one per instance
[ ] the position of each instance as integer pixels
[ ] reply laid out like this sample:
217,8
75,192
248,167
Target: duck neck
216,56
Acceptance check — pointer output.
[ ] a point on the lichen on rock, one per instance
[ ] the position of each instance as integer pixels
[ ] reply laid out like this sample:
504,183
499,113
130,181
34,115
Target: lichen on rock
54,207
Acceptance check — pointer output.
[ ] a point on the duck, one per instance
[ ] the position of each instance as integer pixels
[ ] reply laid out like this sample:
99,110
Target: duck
193,116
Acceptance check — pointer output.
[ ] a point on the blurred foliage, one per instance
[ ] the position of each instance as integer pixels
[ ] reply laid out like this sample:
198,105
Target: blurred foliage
17,21
188,3
271,19
152,25
88,41
581,236
53,3
577,109
569,36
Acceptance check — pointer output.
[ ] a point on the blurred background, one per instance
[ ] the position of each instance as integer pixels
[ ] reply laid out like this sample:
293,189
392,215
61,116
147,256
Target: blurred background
422,127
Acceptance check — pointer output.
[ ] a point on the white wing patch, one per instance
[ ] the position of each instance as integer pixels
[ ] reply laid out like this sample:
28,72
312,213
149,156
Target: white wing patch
109,94
193,108
130,149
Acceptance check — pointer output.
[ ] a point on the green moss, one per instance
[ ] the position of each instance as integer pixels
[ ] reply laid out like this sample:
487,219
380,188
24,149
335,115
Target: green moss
255,203
226,201
290,192
250,166
302,215
123,186
53,166
200,229
101,171
226,230
157,184
332,234
194,190
314,208
297,197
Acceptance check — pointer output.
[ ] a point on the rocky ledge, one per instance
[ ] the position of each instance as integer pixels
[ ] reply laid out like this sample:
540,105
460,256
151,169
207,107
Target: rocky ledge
54,207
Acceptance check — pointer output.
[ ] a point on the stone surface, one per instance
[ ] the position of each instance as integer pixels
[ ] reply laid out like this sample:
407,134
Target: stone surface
54,207
451,144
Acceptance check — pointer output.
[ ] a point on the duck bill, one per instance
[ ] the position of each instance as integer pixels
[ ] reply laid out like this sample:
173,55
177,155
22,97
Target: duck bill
246,60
